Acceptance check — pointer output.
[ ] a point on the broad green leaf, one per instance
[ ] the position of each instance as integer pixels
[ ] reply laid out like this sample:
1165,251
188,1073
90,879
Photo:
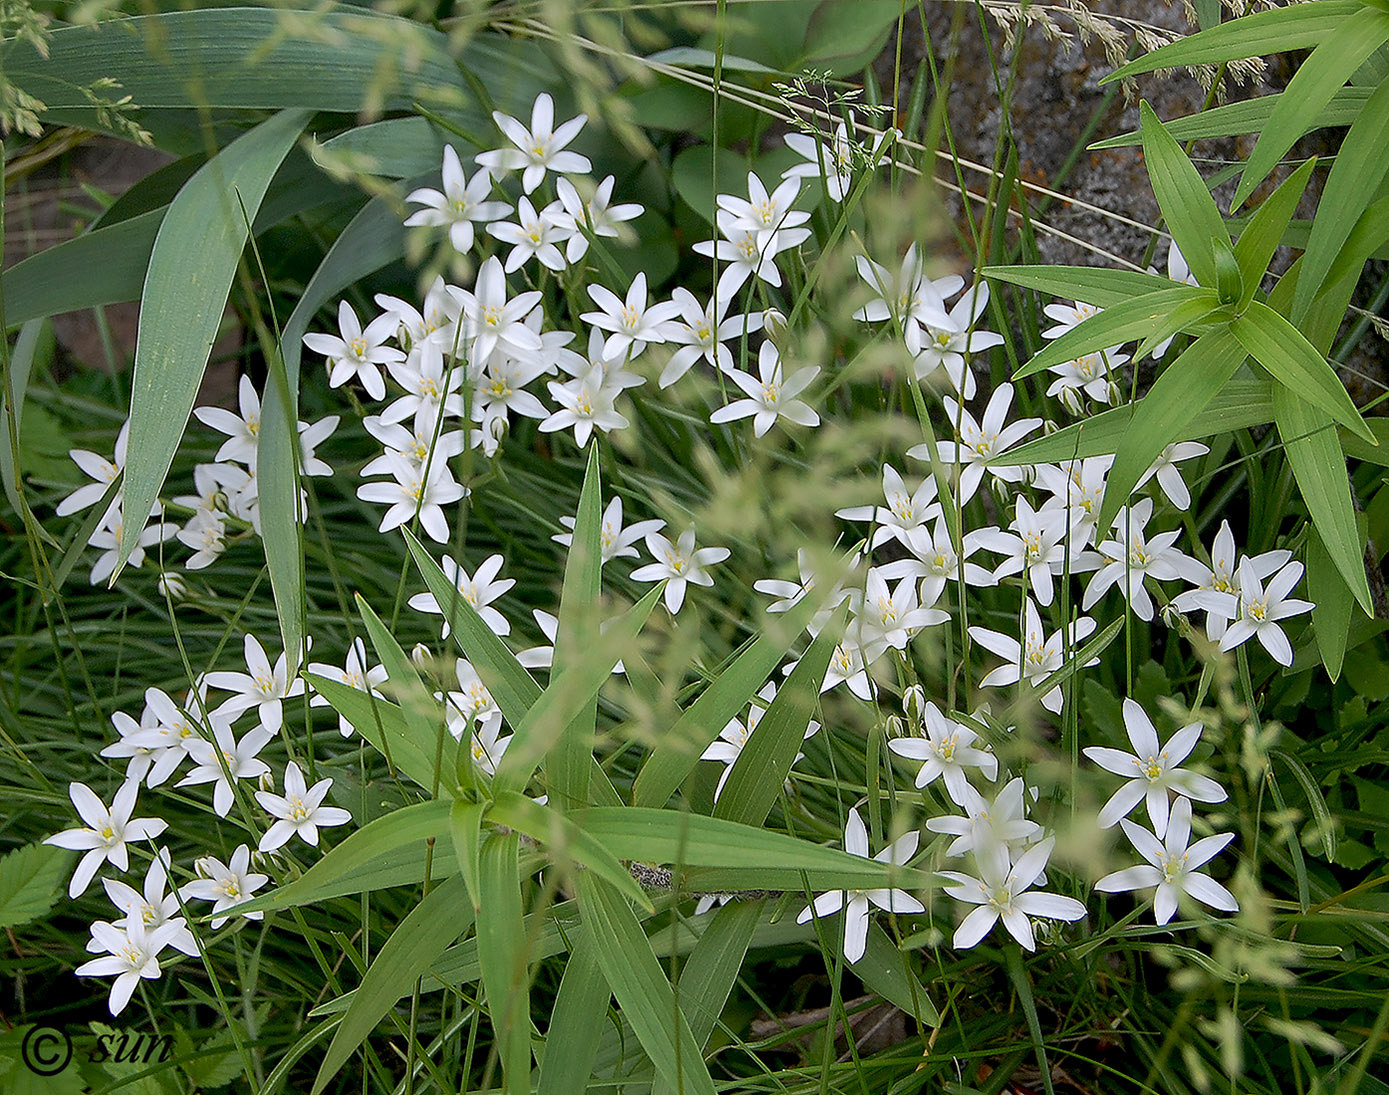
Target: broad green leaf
1247,116
440,918
1126,321
190,274
843,38
1095,285
398,148
760,771
566,768
1319,466
408,746
692,57
465,825
1294,363
1375,454
402,679
31,880
1320,76
565,840
642,990
408,825
1361,164
1178,395
348,60
1243,402
1369,234
885,970
676,755
1300,26
755,857
577,1021
1328,591
547,934
1266,228
501,948
1185,200
567,696
511,686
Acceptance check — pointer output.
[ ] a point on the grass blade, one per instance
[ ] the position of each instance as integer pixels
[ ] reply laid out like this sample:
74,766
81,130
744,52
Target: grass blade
501,949
580,1014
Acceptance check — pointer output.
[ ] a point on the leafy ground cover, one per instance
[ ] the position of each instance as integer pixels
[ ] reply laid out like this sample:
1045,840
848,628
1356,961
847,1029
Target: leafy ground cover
669,611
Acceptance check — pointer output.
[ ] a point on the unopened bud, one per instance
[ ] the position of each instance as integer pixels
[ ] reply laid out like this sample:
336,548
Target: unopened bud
774,325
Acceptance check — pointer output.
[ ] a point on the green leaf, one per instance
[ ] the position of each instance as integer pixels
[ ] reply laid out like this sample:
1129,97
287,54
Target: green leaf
1321,813
565,840
1178,395
885,970
1125,321
709,973
465,823
398,148
1319,466
1301,26
1243,402
349,61
567,696
190,274
1247,116
1295,364
577,1021
1265,230
403,681
760,770
843,38
408,825
645,996
501,948
511,686
12,400
408,745
1354,180
1185,200
31,879
1329,592
567,767
752,857
677,753
1370,232
441,917
1095,285
1328,67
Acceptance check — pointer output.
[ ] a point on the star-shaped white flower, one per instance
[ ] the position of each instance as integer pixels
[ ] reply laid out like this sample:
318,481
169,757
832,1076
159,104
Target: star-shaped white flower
855,903
946,751
130,954
1258,610
1172,866
263,686
769,396
479,590
538,149
1006,897
1037,657
357,353
678,564
1152,770
299,811
461,204
107,832
225,884
614,540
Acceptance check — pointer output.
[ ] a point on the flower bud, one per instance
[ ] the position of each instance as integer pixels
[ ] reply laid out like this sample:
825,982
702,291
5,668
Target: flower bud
914,703
774,325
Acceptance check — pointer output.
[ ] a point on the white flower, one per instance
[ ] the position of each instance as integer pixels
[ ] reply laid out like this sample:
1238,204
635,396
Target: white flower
937,344
855,903
225,759
107,831
357,353
152,907
109,540
678,565
1036,546
130,955
206,533
1068,316
992,831
461,204
979,444
534,235
764,212
1002,897
479,591
1131,557
946,751
936,561
472,704
225,884
1169,477
539,148
905,512
615,541
585,402
1172,867
769,396
735,734
1153,770
487,747
1222,576
887,619
431,380
748,251
1259,610
243,430
264,686
910,296
299,810
414,491
100,469
1037,657
834,164
632,322
494,319
435,324
1079,486
595,215
354,674
701,332
1088,373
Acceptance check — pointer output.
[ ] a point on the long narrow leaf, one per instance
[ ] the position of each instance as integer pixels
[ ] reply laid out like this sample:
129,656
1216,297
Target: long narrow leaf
440,918
1186,202
1247,116
1091,284
577,1021
190,275
502,953
1266,229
